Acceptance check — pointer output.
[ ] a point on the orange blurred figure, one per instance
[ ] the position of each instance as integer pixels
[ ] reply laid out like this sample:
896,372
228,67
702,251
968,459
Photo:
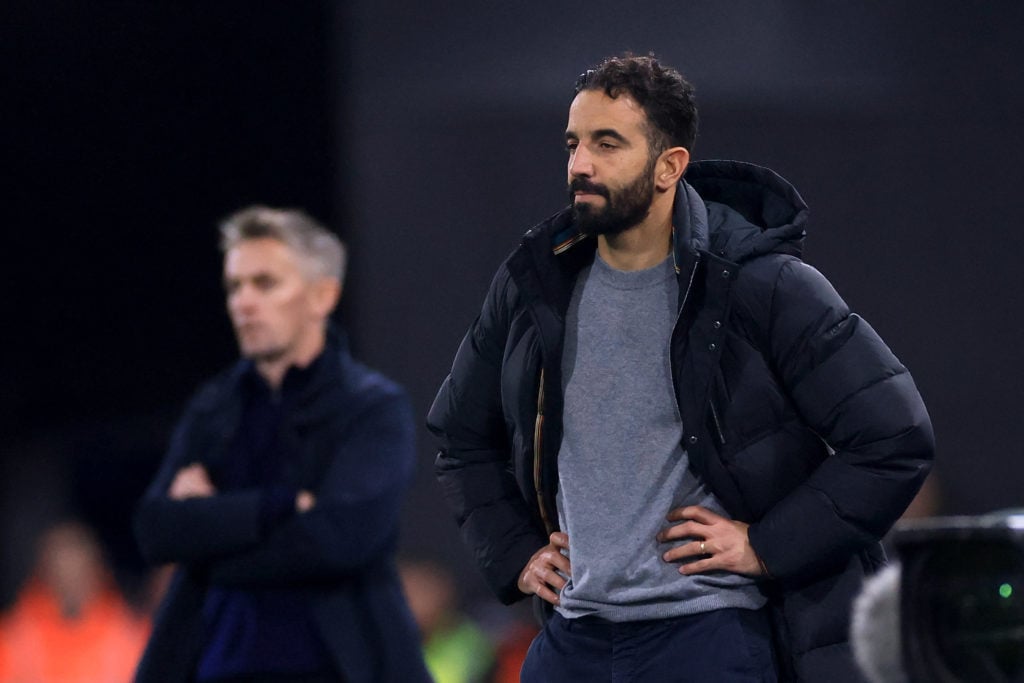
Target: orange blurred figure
70,624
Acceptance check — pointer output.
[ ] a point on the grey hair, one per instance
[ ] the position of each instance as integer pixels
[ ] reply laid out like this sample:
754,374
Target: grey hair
321,252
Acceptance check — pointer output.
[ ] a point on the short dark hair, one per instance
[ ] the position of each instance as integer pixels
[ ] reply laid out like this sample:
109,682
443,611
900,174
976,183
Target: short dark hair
665,96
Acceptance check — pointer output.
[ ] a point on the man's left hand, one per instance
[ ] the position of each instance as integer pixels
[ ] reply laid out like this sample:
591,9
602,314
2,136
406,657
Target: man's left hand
721,543
304,501
192,481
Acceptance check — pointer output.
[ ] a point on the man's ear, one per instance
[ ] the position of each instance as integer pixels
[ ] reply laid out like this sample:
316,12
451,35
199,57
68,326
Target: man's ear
671,165
326,294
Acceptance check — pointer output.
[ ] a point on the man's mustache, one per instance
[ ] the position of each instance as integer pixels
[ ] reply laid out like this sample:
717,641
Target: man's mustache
584,185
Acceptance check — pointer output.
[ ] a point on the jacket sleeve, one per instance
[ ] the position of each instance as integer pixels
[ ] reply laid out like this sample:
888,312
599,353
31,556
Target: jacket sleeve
355,520
195,529
474,464
853,392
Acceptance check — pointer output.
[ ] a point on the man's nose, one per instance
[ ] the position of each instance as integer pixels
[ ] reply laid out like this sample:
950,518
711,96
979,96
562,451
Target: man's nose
581,163
242,300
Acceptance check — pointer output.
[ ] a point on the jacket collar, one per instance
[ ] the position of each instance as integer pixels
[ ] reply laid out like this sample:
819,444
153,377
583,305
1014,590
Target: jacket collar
330,366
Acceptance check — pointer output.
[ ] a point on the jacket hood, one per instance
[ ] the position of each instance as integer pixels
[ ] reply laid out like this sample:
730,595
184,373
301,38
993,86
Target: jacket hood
751,209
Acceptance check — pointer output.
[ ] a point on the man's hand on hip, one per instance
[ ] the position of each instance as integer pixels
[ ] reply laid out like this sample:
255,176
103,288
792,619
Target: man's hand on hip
720,543
544,573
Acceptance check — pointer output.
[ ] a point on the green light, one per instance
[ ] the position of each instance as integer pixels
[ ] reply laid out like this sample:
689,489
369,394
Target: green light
1006,590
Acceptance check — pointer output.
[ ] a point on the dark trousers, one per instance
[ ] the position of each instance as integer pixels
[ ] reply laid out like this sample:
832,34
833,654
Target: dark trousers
727,645
283,678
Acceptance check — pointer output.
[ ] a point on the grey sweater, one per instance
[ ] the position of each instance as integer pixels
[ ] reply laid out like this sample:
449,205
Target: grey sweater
621,465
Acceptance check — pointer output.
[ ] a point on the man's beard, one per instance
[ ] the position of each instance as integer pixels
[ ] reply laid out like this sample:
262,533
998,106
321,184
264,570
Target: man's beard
624,209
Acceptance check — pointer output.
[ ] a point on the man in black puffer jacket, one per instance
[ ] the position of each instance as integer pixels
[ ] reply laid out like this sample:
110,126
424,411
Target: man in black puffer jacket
667,426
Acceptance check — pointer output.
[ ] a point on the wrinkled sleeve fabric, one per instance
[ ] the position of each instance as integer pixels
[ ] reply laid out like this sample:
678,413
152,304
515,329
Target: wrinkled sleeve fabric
854,393
474,465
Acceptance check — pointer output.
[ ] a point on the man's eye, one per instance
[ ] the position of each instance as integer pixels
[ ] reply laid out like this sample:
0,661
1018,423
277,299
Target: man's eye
264,283
607,145
570,147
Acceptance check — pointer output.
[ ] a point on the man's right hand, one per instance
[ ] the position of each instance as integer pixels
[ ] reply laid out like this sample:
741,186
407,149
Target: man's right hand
541,575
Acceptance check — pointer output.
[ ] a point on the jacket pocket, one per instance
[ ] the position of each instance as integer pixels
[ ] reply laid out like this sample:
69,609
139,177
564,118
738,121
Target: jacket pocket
718,402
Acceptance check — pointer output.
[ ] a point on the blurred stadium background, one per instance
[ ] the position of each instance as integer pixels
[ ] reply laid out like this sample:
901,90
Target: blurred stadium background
429,135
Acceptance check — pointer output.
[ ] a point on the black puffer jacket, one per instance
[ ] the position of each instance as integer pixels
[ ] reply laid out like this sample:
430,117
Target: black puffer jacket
795,413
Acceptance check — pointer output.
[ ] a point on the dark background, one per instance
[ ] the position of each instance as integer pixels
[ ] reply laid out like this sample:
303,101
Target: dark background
430,137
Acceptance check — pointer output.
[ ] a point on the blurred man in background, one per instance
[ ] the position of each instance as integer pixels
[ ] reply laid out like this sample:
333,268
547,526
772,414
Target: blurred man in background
665,425
280,493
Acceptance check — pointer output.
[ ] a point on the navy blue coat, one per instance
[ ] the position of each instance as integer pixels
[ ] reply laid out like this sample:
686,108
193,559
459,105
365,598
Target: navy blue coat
353,431
795,413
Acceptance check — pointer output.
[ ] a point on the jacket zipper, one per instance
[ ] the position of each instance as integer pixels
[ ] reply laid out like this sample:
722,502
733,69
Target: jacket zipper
538,442
718,425
679,315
